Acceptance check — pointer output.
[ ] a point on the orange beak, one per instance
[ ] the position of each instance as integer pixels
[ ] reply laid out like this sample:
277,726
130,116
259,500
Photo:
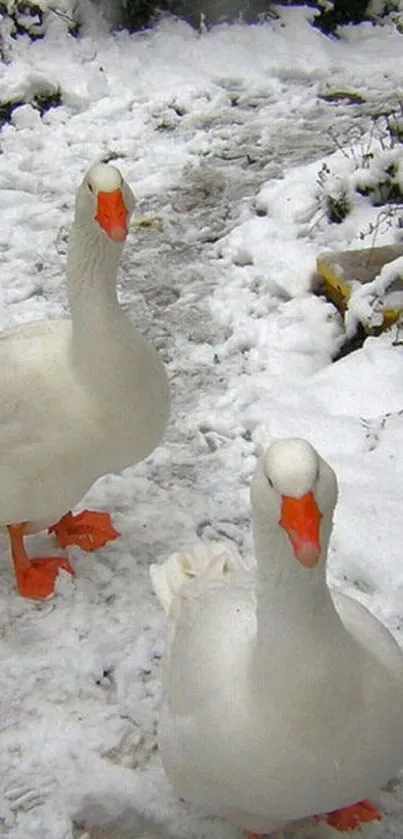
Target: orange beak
300,518
112,214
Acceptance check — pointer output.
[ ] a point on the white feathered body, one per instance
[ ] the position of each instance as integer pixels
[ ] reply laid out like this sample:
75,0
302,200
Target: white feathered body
57,433
265,740
80,397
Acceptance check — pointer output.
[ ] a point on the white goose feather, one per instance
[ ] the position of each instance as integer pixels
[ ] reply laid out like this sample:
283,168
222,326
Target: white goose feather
281,699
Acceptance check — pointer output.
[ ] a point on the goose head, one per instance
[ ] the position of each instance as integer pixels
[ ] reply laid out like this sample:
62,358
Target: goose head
105,202
294,493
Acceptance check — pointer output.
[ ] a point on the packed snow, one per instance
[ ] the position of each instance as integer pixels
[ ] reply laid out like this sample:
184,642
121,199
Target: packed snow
222,137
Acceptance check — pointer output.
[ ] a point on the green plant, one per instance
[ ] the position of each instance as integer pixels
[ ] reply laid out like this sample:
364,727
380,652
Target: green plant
334,195
335,13
376,173
136,14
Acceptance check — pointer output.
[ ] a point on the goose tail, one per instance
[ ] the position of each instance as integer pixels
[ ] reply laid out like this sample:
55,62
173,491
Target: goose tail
183,573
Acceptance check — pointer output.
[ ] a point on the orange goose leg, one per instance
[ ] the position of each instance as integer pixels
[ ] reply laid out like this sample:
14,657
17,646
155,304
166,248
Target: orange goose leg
36,577
346,818
89,530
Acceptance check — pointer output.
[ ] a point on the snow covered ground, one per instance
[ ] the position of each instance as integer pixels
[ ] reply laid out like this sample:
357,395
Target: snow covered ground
222,138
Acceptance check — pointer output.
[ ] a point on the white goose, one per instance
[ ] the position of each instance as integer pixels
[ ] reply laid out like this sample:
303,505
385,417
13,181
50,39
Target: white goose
79,398
281,700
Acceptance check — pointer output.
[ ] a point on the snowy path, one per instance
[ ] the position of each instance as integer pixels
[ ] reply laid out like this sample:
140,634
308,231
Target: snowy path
199,127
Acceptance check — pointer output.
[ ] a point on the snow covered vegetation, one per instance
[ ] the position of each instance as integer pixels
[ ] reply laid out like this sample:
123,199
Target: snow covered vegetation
31,17
250,149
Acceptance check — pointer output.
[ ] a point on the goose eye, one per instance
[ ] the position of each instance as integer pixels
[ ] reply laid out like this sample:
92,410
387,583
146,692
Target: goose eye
90,188
270,481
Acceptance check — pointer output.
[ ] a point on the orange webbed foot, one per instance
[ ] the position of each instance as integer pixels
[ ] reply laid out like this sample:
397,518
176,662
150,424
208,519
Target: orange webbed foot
37,580
89,530
348,818
36,577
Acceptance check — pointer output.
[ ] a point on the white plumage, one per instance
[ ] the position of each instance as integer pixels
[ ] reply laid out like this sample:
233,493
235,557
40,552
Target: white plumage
281,699
79,397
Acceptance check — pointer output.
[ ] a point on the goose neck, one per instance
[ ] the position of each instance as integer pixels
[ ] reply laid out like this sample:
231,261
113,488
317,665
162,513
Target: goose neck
92,265
291,599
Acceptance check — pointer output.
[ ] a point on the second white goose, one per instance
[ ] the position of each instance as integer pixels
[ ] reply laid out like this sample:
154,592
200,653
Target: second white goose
281,699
